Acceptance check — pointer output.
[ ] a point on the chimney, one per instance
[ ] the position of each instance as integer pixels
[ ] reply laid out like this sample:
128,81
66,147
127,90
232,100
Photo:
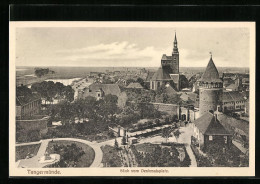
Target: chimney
216,117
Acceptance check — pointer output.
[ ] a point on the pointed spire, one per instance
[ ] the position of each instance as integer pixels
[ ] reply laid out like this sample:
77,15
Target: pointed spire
175,47
175,38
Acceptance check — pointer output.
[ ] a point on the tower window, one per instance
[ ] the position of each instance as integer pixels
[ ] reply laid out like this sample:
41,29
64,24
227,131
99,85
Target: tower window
210,137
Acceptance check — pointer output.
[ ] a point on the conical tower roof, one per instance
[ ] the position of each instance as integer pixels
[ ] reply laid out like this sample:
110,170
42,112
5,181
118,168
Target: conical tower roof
161,74
211,73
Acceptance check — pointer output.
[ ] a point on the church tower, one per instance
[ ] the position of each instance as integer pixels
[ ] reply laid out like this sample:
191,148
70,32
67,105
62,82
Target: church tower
175,57
170,64
210,89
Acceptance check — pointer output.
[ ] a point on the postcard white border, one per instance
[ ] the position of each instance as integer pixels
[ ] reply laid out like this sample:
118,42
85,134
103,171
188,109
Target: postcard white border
173,171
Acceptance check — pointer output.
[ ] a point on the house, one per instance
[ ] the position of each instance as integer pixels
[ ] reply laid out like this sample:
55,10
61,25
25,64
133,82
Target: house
245,84
233,101
237,127
27,102
209,131
232,87
100,90
28,119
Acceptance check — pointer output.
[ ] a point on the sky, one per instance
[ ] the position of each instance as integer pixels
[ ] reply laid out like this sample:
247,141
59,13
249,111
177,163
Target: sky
130,46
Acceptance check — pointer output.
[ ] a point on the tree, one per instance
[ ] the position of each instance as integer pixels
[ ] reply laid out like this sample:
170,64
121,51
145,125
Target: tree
166,133
176,134
128,81
140,81
49,90
108,107
39,72
123,140
116,145
67,113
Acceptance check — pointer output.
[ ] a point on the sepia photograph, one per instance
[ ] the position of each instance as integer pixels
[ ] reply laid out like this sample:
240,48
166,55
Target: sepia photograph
132,99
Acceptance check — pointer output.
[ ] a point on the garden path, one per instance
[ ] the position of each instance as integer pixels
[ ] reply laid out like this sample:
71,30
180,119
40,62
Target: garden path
34,161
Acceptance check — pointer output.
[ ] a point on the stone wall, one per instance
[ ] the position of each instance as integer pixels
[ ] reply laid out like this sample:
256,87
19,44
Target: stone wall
170,109
38,124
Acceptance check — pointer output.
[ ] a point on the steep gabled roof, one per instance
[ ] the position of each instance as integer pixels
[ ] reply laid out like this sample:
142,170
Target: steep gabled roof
170,91
208,124
161,75
24,96
234,125
135,85
211,73
232,86
232,96
165,57
149,76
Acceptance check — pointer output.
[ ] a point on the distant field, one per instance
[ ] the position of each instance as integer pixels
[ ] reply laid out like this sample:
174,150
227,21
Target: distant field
22,151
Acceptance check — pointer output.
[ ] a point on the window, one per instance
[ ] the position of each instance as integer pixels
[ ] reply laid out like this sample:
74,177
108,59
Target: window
210,137
225,139
98,95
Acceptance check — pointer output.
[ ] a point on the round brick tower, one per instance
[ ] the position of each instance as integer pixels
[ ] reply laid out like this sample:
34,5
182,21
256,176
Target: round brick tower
210,89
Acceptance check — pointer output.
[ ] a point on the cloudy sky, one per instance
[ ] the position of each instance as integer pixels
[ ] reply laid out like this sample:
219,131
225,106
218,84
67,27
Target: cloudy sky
131,46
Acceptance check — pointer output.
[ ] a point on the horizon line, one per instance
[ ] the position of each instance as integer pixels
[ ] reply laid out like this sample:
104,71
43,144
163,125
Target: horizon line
139,66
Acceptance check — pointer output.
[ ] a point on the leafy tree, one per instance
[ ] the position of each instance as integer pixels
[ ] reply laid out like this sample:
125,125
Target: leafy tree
123,140
49,90
177,134
128,81
116,145
166,133
108,107
140,81
39,72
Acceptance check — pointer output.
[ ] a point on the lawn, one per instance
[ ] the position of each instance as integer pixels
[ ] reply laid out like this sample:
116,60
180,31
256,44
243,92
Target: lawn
22,151
110,157
83,160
